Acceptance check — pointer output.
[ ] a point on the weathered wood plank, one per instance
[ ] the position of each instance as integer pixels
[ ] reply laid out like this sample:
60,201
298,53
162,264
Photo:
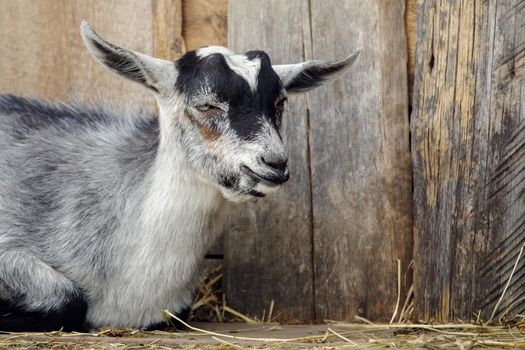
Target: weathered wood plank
268,249
468,155
205,22
361,170
168,42
411,11
375,227
43,55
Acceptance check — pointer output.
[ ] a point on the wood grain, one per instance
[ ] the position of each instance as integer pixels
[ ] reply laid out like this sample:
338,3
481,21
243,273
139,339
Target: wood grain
43,55
411,11
354,141
468,157
268,249
168,42
205,22
361,171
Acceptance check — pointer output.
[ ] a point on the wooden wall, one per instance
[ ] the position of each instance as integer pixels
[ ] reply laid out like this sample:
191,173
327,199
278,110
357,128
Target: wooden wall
326,245
411,12
468,152
43,55
205,22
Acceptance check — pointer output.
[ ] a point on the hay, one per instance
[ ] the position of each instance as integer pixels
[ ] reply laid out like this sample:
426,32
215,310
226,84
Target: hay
209,305
507,285
505,332
406,336
337,336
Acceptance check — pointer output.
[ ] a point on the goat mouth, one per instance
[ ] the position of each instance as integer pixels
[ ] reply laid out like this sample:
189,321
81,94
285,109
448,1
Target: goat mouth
256,193
252,174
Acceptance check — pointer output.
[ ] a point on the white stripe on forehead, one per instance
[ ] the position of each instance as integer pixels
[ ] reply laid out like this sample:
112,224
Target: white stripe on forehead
210,50
239,64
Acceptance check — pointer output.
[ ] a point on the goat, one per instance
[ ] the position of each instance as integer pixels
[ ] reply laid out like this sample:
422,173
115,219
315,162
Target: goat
103,212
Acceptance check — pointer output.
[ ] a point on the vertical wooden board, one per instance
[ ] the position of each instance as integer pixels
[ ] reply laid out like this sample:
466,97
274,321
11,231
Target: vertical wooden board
268,248
168,42
32,60
361,170
468,158
411,11
205,22
43,55
506,187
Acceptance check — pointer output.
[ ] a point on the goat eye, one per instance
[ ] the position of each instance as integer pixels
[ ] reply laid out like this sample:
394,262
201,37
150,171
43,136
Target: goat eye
203,108
207,107
279,105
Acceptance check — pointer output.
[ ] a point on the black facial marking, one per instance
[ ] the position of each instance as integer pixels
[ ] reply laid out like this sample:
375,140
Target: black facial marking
313,76
187,69
246,108
256,193
229,181
269,87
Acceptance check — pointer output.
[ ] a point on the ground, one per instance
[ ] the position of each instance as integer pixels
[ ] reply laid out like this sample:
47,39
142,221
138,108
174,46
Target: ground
274,336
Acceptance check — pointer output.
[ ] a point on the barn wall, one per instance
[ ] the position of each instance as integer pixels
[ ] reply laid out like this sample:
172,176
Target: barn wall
411,12
43,55
468,154
268,252
205,22
326,245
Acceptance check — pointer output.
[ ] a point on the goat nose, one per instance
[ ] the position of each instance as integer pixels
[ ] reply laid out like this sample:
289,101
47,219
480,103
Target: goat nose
275,162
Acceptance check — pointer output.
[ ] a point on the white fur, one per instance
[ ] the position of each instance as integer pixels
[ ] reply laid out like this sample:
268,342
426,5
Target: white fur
240,64
246,68
159,252
210,50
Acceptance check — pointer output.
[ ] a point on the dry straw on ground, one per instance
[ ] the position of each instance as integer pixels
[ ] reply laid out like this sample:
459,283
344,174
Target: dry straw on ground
337,336
504,332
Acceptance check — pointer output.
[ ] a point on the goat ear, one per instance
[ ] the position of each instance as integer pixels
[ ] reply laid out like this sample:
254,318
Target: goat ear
156,74
301,77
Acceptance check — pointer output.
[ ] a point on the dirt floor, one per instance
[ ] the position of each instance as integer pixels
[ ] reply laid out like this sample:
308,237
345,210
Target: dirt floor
273,336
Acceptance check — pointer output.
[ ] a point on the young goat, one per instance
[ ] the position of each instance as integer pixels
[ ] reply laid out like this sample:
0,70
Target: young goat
103,216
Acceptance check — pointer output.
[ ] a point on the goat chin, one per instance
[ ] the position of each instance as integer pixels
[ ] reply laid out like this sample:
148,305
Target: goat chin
234,196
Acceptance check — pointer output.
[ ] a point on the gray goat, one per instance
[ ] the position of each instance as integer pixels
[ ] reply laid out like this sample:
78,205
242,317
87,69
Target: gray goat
103,213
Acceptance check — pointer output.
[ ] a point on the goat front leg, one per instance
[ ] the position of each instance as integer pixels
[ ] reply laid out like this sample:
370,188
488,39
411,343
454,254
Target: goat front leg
36,297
